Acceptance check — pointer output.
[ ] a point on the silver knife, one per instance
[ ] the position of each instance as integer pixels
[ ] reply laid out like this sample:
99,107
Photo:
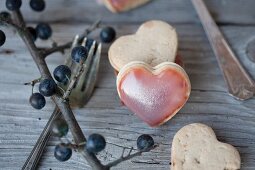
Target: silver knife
240,84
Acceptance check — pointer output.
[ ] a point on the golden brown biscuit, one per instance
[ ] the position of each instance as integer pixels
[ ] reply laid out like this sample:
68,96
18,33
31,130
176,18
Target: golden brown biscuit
154,42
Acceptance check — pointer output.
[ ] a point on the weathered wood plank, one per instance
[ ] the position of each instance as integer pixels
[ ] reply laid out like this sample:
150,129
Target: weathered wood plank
176,11
209,104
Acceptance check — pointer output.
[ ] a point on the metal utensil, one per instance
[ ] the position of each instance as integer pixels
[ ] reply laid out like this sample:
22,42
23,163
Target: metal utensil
79,97
240,85
88,78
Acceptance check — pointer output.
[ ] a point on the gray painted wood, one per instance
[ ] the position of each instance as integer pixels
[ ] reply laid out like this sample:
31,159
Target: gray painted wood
177,11
232,120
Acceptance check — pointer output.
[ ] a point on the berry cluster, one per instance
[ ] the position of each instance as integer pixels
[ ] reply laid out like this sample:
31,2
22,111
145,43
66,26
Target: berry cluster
96,143
62,74
43,31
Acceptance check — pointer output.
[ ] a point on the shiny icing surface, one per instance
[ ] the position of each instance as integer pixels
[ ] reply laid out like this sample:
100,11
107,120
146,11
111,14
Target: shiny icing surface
120,5
154,98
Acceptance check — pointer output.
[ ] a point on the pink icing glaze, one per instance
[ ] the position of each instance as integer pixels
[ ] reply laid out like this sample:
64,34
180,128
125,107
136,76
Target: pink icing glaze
119,4
154,98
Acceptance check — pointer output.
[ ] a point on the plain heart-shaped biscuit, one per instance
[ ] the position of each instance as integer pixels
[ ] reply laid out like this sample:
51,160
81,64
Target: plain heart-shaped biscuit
155,94
153,43
195,147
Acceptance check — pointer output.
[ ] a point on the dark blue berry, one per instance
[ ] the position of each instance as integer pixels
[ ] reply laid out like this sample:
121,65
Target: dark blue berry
37,5
60,127
13,5
62,152
47,87
2,38
43,31
79,53
89,44
107,34
32,31
62,73
95,143
5,15
145,142
37,101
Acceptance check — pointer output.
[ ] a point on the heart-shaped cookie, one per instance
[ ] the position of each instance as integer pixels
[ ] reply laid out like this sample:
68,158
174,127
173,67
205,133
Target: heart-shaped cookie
155,94
153,43
195,147
123,5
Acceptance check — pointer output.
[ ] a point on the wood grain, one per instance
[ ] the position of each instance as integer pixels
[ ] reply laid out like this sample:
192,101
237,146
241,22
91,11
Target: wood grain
233,121
239,83
175,11
209,103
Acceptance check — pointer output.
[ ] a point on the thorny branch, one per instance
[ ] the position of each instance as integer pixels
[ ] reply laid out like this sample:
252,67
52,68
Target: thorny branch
130,155
78,73
63,105
67,45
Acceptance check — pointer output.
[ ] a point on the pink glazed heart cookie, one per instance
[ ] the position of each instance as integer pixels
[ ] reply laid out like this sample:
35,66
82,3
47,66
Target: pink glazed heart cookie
155,94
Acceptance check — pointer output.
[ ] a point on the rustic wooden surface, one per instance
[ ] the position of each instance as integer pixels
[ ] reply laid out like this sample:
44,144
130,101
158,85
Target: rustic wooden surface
232,120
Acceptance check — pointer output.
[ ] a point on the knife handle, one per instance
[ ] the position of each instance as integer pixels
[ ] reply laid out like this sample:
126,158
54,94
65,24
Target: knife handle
35,155
239,83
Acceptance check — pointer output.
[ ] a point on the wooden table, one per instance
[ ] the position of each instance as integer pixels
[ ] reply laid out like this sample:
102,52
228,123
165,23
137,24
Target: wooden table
232,120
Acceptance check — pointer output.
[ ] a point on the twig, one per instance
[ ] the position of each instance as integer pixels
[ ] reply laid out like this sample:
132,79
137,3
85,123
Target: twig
63,105
69,145
79,73
123,152
46,52
10,24
74,81
130,151
95,163
127,157
67,45
123,158
33,82
41,64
